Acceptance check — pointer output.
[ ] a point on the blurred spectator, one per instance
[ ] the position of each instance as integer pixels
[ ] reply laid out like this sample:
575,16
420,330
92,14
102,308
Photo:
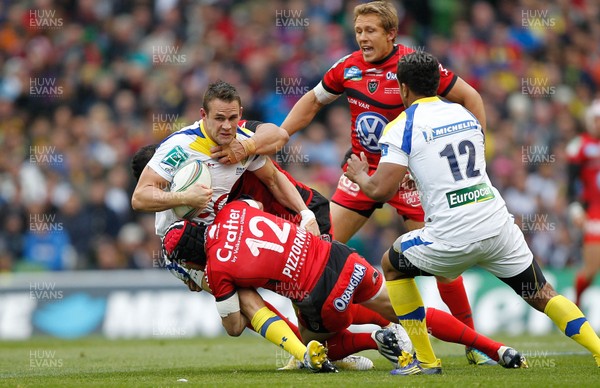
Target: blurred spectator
47,244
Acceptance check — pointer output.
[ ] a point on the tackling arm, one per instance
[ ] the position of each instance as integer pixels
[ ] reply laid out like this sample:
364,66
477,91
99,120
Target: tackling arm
268,139
302,113
232,318
286,194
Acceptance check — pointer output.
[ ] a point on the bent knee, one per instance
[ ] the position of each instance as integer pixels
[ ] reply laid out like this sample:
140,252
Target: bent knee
389,272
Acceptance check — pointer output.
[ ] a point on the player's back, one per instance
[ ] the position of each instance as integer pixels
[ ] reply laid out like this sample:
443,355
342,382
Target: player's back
445,147
247,247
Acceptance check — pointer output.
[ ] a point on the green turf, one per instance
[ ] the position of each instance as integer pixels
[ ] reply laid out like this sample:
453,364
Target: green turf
251,361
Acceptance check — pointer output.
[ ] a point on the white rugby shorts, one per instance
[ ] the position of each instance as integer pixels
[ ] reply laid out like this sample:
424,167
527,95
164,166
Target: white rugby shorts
504,255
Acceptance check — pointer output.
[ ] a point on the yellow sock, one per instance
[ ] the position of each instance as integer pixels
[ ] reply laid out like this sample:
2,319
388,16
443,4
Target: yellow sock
273,328
571,321
408,306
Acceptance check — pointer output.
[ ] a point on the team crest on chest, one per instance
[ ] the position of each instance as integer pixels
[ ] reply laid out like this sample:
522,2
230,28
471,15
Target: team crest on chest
372,85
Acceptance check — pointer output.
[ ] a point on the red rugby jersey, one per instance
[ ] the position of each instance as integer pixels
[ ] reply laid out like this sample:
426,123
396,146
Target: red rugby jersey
374,95
246,247
584,151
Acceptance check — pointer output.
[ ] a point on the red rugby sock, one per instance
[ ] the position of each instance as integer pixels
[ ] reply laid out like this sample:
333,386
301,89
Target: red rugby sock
345,343
446,327
362,315
581,283
455,297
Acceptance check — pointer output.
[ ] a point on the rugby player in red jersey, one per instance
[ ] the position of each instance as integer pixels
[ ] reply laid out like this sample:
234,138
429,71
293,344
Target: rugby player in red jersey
248,248
584,171
368,77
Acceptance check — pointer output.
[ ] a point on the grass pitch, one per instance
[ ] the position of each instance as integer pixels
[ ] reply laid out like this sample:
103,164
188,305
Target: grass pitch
250,361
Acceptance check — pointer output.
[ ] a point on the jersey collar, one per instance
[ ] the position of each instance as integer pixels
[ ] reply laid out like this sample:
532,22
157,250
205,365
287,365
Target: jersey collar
203,143
394,51
425,100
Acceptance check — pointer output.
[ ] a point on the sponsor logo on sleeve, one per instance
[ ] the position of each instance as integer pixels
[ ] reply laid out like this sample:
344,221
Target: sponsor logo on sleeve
173,160
384,149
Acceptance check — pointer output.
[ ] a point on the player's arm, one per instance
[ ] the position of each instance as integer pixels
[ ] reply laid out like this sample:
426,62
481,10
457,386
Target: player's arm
150,195
286,194
232,318
304,111
383,184
267,139
464,94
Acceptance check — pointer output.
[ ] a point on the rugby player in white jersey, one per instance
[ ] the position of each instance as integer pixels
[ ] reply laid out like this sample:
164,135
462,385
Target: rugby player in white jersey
220,114
466,220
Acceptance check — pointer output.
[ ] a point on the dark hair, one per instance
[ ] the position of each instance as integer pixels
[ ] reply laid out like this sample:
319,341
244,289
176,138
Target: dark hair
141,159
220,90
420,72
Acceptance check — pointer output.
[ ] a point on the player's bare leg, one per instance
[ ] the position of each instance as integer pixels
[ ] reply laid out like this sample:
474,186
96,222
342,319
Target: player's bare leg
591,266
345,222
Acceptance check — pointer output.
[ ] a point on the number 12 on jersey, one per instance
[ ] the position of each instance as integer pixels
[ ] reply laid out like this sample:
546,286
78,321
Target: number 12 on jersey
464,147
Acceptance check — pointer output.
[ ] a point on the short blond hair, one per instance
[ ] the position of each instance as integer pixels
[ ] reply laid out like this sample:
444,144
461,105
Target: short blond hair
385,10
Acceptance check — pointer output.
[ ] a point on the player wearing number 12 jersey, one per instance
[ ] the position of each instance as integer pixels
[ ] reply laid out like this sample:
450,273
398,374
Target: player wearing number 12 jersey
466,223
246,247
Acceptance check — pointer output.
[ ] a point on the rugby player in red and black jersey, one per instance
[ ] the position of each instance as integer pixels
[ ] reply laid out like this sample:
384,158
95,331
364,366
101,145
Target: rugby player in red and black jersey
584,172
246,248
368,77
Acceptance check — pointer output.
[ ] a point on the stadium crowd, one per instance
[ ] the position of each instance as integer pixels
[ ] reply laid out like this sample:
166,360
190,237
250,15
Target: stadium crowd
84,84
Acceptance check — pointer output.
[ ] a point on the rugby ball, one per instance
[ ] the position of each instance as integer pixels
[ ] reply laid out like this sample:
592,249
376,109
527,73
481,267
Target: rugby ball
189,174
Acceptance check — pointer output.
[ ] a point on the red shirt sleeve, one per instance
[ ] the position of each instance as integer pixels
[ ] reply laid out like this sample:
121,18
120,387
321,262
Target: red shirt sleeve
447,81
333,80
220,284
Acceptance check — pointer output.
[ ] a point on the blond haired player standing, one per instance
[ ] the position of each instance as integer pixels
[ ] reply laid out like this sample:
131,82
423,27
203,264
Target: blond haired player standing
467,222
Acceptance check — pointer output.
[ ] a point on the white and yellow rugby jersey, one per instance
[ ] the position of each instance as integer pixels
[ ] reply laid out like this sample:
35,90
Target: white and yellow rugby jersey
442,144
192,143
